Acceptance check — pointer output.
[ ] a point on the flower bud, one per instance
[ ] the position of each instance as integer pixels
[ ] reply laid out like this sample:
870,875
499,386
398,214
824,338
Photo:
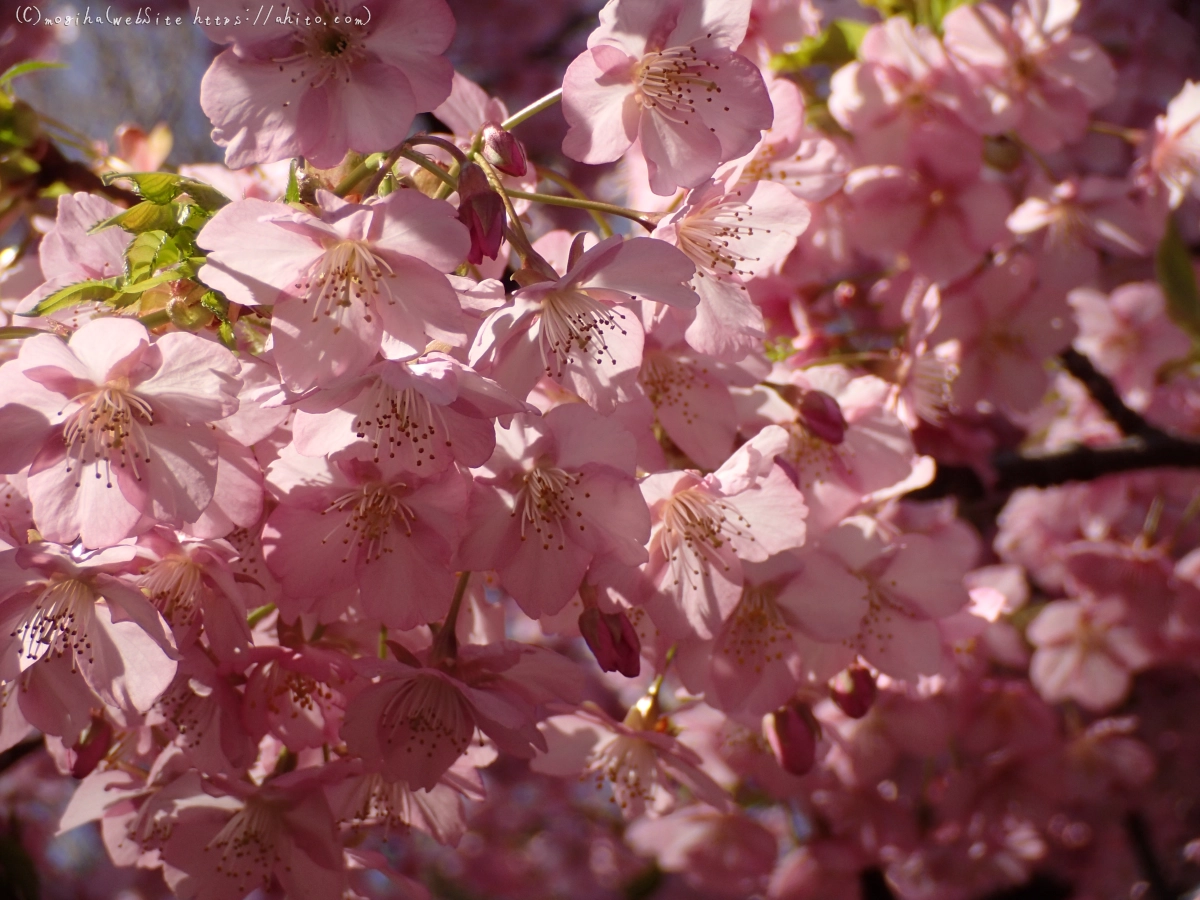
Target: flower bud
91,747
482,211
503,150
612,640
792,733
822,416
853,690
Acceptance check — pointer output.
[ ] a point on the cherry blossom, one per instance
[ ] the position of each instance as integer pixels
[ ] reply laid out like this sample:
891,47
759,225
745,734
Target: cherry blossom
424,415
352,522
557,496
577,329
416,720
665,74
705,527
640,764
115,427
732,236
359,278
285,88
83,614
1173,155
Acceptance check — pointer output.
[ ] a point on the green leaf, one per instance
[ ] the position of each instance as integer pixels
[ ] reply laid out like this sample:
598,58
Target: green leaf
163,187
157,187
919,12
293,186
24,68
216,303
939,9
73,295
835,46
141,256
191,216
1173,266
167,275
205,195
15,332
142,217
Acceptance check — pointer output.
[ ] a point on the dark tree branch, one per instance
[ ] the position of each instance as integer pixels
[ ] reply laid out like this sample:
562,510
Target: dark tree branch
872,884
1144,447
1089,463
1139,839
18,752
1103,392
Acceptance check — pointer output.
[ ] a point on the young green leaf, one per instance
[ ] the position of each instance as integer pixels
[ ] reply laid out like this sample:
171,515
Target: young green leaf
73,295
142,217
1173,266
835,46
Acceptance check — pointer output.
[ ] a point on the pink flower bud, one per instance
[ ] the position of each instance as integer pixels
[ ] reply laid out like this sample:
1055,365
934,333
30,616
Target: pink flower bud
853,690
792,733
482,211
822,416
91,747
612,640
503,150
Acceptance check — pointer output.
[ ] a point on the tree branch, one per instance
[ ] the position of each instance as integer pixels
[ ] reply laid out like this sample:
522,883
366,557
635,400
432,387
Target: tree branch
1103,392
1144,447
1139,838
1089,463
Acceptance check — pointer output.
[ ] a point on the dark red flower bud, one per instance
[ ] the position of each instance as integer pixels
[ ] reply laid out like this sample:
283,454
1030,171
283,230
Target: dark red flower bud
503,150
612,640
792,733
853,690
482,211
91,747
822,416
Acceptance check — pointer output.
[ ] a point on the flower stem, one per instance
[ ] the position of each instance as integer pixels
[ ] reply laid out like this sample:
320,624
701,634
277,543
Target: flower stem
1129,135
435,141
259,614
432,168
567,185
375,180
515,231
532,110
646,220
1036,157
367,167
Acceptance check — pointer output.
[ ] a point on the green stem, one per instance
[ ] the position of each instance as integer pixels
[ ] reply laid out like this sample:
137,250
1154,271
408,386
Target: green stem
434,141
367,167
259,614
641,218
432,168
375,180
516,231
567,185
531,110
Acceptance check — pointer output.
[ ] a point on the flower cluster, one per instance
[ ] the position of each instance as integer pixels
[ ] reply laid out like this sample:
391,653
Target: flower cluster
829,517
